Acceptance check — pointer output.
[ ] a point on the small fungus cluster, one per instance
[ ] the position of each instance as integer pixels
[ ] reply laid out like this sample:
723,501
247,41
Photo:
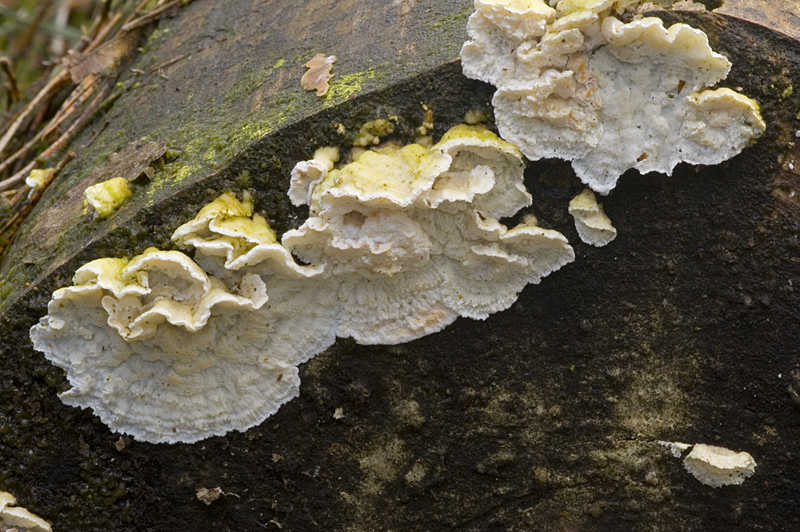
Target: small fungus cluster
718,466
415,231
714,466
591,222
106,197
399,243
576,83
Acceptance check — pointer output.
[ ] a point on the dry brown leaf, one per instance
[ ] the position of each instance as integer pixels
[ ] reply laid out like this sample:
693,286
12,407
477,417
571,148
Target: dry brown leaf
319,73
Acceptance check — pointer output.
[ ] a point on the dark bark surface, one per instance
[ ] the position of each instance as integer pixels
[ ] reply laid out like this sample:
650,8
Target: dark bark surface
543,417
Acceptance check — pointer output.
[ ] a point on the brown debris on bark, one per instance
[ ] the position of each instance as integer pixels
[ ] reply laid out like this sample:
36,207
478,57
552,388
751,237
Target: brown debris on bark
318,74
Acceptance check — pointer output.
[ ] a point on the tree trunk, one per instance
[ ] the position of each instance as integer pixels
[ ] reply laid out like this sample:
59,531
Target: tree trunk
543,417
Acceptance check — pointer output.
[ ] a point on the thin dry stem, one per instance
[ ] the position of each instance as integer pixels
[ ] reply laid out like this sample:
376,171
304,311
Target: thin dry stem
16,220
77,97
149,17
19,176
5,64
75,127
53,86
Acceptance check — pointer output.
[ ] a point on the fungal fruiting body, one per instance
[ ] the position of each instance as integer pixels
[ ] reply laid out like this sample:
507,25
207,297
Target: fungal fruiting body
16,519
164,352
399,242
713,466
576,83
370,133
676,448
718,466
39,178
106,197
411,236
591,222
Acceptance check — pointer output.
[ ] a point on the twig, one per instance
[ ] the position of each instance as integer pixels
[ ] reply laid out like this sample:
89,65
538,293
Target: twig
11,119
98,24
134,14
137,11
53,86
166,63
19,176
18,195
149,17
69,133
58,43
55,146
59,143
5,63
25,40
11,222
37,195
76,98
102,33
95,135
37,120
20,152
79,95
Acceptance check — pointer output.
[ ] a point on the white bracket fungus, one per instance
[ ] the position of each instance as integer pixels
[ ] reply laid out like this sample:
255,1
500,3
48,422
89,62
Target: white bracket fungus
592,224
153,344
576,83
399,242
718,466
228,237
16,519
308,174
713,466
411,234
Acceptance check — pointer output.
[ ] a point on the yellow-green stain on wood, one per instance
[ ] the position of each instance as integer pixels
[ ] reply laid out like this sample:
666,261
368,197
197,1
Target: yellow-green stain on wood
343,87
